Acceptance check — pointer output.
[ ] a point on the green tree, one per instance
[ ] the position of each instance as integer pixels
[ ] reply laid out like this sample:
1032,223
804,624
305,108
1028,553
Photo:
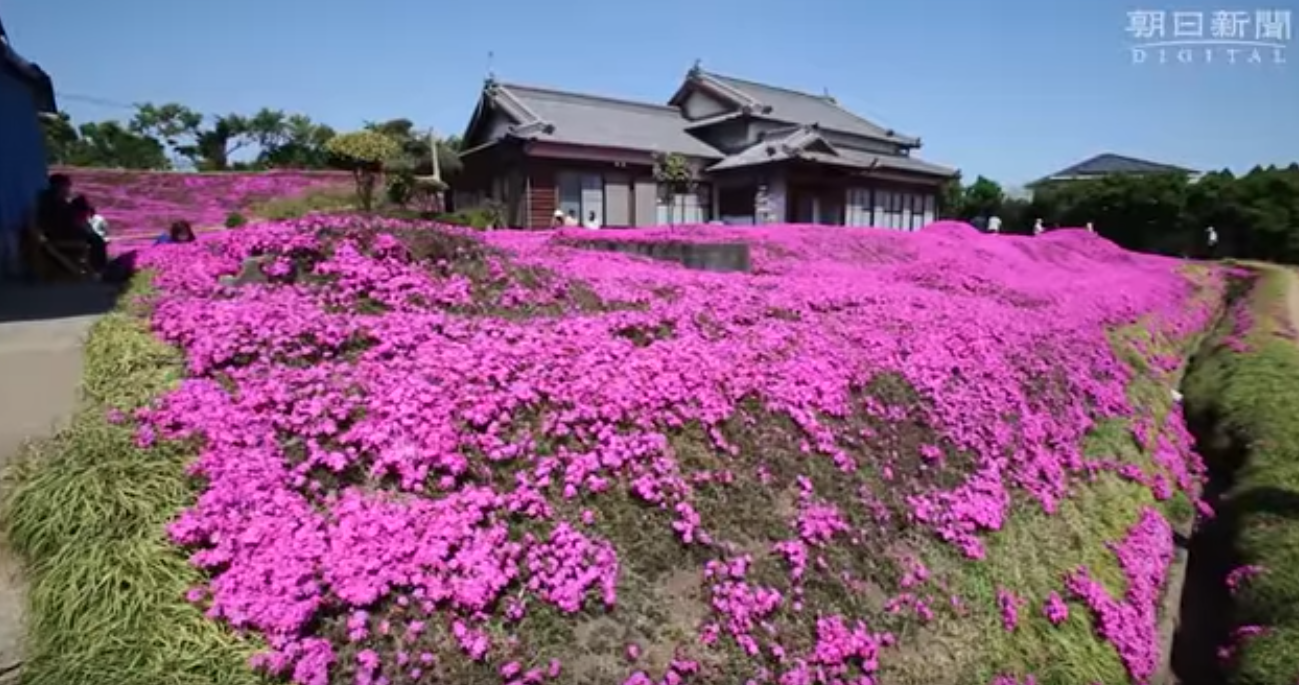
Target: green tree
675,176
982,198
105,144
61,139
182,129
949,199
299,144
365,154
414,144
110,144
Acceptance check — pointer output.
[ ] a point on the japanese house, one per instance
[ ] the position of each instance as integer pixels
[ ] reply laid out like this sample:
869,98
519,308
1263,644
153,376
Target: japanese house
26,93
758,153
1110,164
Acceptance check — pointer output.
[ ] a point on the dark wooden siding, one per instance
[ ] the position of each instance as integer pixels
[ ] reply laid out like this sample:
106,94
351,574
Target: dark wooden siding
542,196
543,191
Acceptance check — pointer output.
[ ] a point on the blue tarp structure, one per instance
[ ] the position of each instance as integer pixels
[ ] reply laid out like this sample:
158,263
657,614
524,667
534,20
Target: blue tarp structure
25,92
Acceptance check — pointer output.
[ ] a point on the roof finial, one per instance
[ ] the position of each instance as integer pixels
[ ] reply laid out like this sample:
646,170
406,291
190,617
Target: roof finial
491,72
697,68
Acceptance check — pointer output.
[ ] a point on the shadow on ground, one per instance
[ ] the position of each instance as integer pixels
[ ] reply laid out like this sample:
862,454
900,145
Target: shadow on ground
49,301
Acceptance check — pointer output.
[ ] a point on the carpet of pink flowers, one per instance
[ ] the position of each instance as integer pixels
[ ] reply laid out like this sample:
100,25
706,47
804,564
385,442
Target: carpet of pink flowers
140,205
403,460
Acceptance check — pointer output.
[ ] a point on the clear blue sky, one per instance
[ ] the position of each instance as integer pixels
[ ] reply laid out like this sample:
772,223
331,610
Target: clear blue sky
1013,89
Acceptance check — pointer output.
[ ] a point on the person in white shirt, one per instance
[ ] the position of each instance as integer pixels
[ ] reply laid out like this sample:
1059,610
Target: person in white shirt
1090,229
570,219
1037,227
1211,240
591,222
94,219
994,224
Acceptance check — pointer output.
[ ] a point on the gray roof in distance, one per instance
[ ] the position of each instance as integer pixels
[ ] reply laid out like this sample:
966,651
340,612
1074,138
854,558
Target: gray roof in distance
1107,164
580,119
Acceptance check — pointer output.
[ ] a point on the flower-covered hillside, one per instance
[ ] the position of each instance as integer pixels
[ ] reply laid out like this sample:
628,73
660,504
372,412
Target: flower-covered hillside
879,457
139,205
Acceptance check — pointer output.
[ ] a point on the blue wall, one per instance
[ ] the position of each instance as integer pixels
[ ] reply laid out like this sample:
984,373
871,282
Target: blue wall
22,152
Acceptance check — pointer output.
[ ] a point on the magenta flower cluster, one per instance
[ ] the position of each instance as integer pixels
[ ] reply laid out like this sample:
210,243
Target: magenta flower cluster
140,205
1131,623
369,439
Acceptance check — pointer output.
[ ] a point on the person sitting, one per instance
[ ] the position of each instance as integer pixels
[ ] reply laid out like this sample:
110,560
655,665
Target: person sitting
94,230
558,220
591,222
98,224
59,226
180,232
54,214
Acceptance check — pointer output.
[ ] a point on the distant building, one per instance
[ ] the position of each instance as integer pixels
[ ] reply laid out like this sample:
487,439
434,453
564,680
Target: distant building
760,154
26,92
1109,164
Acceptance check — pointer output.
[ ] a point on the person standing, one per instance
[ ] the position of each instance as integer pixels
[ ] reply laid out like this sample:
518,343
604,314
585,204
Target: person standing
1211,241
1037,227
1090,229
994,224
591,223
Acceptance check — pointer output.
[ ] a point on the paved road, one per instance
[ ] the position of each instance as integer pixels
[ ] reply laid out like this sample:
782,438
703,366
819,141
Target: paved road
41,335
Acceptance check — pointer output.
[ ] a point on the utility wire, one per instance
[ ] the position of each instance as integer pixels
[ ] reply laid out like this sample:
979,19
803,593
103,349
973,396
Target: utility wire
91,100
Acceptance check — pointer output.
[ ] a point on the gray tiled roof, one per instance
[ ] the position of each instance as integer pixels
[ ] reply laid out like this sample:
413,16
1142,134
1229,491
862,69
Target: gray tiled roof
805,108
868,160
581,119
1108,163
805,142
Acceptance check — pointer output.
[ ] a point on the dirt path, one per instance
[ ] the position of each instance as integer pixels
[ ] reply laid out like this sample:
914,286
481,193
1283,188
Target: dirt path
42,331
1292,298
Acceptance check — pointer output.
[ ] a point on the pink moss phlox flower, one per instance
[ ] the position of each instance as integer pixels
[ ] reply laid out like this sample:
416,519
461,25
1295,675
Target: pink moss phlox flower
374,424
1130,623
1239,576
1009,604
1055,609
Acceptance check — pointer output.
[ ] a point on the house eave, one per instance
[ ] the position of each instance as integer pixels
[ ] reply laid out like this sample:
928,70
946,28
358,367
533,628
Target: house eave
557,149
37,80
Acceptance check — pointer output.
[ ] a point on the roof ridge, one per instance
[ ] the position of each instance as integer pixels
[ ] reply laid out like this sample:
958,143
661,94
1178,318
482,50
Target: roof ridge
768,85
590,96
890,132
1130,158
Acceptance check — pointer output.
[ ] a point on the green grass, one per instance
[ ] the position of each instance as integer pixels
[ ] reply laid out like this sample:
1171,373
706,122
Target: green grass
315,200
1034,551
1252,397
86,510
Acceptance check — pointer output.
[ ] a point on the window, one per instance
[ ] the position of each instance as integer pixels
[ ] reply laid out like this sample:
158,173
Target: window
888,209
580,194
901,211
687,208
859,207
